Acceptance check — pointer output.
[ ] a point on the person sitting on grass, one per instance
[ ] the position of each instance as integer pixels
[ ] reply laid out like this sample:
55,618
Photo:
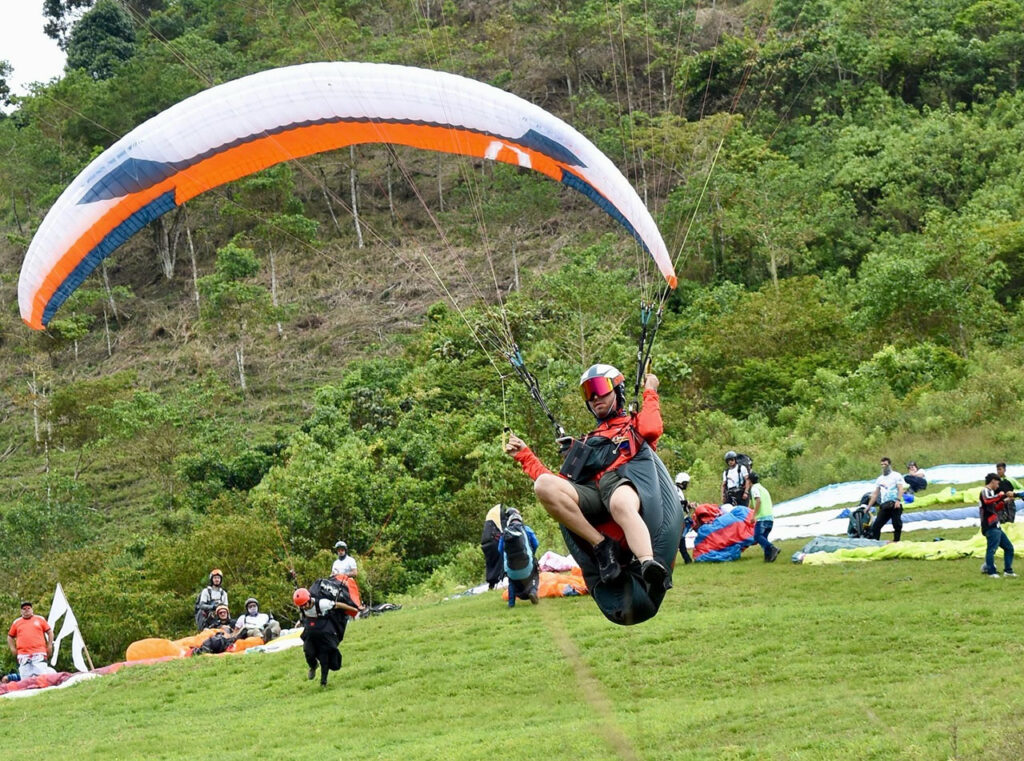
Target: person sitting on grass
991,501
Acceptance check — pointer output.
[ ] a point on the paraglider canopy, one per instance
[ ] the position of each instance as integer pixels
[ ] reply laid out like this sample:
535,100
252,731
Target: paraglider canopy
241,127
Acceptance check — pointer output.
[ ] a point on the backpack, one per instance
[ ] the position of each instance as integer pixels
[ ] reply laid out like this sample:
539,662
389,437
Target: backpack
518,555
335,590
860,523
745,461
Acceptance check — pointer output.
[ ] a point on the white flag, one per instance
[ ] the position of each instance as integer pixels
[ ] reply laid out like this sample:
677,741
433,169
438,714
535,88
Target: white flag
58,608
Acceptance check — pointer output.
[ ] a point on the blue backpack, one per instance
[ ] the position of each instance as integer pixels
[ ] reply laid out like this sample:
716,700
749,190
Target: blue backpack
518,555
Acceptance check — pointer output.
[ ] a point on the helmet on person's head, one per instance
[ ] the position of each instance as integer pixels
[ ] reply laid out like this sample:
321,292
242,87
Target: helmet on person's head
600,380
221,607
730,455
682,479
216,572
300,596
340,546
252,601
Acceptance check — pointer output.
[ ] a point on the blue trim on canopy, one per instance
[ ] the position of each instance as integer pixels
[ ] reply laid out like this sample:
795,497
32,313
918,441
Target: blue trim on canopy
131,225
603,203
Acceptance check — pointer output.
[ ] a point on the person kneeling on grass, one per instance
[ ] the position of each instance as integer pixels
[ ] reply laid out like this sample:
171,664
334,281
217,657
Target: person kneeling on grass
991,502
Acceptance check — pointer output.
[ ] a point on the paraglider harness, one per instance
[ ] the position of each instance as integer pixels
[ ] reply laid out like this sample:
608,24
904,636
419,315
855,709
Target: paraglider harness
518,555
204,611
336,591
742,461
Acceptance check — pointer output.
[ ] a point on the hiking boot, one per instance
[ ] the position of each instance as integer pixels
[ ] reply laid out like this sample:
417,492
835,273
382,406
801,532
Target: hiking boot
654,574
533,598
312,673
770,558
606,555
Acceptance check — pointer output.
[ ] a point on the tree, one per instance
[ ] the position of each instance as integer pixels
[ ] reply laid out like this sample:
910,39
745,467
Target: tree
233,307
102,40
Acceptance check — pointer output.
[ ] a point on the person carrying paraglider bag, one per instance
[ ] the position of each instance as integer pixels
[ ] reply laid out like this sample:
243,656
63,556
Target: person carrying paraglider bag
324,610
612,482
518,547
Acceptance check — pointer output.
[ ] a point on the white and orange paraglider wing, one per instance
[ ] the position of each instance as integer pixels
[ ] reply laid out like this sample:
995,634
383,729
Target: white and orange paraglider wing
240,127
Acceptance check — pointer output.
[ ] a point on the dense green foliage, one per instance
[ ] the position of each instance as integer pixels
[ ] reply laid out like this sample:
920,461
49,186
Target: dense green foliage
254,377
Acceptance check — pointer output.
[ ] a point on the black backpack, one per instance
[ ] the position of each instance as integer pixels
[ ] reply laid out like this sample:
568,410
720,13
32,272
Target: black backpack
859,526
517,547
335,590
745,461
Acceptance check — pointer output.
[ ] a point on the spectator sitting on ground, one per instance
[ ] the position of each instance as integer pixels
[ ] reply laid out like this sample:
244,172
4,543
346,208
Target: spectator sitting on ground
253,623
915,478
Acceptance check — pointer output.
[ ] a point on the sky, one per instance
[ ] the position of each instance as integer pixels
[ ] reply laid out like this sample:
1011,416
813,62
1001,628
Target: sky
34,56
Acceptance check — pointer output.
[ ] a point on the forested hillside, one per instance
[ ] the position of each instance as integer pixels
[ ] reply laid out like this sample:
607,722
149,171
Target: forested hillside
314,352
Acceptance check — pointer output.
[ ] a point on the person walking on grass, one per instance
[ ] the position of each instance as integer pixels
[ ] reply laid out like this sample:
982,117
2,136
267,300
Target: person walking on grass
762,511
991,502
888,495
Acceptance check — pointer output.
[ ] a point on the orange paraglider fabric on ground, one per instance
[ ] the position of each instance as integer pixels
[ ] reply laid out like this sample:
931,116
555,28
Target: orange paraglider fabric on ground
567,584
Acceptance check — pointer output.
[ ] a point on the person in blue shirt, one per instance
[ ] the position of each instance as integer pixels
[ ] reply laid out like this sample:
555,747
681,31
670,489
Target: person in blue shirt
518,547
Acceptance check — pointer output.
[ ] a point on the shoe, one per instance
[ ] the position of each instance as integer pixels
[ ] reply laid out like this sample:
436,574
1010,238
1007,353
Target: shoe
654,574
533,598
990,574
312,673
1009,574
774,554
323,682
606,554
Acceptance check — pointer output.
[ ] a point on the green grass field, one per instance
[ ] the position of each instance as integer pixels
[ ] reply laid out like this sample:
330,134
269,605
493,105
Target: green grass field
883,660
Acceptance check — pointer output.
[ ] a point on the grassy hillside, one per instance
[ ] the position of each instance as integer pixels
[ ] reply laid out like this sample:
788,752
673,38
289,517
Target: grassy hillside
887,660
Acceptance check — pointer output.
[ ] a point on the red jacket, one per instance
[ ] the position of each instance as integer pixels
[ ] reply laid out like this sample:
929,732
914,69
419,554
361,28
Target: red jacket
646,424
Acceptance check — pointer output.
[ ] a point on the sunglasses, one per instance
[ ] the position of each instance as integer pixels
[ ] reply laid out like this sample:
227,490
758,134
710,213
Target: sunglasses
595,388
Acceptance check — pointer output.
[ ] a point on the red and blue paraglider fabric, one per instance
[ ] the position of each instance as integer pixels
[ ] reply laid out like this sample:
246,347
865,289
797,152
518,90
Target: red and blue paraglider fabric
722,533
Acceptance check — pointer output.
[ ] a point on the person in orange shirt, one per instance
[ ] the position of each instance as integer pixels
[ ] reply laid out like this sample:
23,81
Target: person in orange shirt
30,640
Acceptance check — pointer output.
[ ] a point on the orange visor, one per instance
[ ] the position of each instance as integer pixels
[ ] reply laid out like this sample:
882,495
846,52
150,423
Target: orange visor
594,388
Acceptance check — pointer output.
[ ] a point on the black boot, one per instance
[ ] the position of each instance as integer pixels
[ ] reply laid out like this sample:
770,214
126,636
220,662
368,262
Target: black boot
654,574
606,554
312,673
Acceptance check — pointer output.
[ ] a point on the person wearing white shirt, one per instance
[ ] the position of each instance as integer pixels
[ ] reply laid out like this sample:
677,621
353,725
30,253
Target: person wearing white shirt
888,495
345,564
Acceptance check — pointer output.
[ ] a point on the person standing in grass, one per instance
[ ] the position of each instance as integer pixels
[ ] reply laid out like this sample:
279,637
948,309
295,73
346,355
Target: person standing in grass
30,640
345,565
212,595
762,511
888,495
991,502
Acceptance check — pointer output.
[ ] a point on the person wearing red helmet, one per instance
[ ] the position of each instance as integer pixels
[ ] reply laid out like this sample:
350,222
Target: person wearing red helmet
590,486
321,608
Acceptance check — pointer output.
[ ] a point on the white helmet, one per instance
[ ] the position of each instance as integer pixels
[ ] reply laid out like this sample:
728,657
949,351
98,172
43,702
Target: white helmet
682,478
